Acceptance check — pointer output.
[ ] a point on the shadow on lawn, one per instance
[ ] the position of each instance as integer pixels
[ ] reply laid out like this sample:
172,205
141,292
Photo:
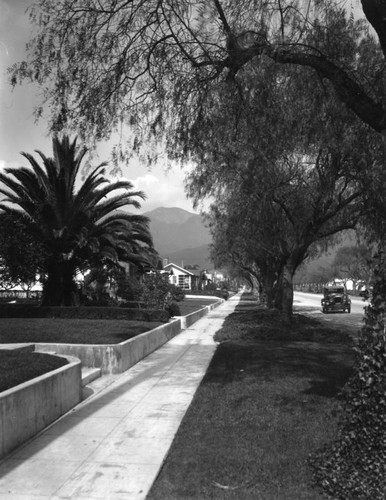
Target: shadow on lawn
258,342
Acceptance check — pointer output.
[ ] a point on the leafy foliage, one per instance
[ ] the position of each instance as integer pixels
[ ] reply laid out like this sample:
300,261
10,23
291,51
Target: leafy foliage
354,262
94,292
21,255
173,309
177,293
278,186
355,466
155,289
153,61
128,289
158,293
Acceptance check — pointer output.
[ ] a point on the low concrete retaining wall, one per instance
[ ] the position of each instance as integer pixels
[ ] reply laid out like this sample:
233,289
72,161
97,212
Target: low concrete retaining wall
117,358
191,318
29,407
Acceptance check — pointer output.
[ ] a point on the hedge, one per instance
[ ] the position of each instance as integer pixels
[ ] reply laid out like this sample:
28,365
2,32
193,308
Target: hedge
89,312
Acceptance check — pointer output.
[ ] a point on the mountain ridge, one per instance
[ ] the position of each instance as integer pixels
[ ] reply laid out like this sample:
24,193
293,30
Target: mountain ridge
170,215
180,236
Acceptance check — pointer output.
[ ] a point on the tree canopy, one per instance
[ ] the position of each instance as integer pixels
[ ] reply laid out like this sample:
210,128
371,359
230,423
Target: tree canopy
354,262
105,63
278,185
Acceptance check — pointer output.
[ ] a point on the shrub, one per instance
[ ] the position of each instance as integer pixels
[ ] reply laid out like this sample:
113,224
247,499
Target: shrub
173,309
85,313
177,292
132,304
158,293
99,299
128,289
154,291
355,466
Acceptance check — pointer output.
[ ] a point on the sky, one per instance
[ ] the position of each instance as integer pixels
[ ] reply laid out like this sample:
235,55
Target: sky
19,132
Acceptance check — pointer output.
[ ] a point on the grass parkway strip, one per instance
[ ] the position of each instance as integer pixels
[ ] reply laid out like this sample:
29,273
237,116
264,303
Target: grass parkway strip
270,398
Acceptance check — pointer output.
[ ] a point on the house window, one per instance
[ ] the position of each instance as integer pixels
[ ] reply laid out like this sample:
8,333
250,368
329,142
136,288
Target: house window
183,281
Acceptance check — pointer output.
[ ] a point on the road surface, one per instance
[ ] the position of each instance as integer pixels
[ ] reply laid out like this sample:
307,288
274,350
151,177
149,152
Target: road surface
309,303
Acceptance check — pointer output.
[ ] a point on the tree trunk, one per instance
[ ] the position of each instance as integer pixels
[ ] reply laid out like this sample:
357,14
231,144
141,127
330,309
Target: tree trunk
270,293
59,288
256,287
285,296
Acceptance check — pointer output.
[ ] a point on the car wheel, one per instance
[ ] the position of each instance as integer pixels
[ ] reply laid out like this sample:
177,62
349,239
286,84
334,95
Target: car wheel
349,310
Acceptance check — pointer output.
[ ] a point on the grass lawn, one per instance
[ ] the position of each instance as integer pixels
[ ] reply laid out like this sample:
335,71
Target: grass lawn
17,367
268,400
71,331
83,331
188,306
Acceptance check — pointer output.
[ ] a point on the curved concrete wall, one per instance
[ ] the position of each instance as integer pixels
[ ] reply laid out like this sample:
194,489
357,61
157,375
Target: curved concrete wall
29,407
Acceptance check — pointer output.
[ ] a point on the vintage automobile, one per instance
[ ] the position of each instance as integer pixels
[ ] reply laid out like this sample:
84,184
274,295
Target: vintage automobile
335,299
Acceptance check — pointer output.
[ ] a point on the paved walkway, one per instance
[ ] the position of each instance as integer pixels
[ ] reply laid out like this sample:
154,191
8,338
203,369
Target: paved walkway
113,444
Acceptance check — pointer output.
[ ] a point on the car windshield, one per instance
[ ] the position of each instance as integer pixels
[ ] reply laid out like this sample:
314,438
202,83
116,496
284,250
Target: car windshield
329,291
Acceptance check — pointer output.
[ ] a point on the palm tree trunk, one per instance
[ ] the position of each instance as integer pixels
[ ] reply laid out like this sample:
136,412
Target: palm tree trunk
59,288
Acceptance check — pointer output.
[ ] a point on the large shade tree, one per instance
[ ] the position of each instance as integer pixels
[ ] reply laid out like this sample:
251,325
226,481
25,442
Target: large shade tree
270,223
279,186
76,228
152,55
242,242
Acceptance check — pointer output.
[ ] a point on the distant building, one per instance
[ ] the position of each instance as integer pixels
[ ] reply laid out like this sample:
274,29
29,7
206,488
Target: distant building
180,277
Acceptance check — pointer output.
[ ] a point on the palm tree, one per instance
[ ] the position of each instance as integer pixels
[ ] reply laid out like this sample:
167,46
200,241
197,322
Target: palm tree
78,229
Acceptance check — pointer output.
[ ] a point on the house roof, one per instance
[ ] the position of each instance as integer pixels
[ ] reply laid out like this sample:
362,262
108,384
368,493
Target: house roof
185,271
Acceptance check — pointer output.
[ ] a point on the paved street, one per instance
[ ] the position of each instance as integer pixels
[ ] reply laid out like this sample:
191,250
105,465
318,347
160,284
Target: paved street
310,303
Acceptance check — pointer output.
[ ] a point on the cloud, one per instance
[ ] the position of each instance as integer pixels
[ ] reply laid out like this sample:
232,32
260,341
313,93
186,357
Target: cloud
8,164
163,190
145,181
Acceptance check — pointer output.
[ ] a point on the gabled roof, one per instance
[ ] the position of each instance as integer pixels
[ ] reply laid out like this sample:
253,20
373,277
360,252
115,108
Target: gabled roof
185,271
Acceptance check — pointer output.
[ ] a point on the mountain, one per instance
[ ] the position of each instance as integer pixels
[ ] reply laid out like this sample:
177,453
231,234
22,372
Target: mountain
174,229
169,215
192,256
180,236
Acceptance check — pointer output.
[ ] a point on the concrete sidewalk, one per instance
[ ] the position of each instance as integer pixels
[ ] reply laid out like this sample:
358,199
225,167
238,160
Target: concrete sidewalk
113,444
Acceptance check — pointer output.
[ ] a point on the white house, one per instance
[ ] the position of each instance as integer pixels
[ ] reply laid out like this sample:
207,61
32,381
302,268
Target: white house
179,276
